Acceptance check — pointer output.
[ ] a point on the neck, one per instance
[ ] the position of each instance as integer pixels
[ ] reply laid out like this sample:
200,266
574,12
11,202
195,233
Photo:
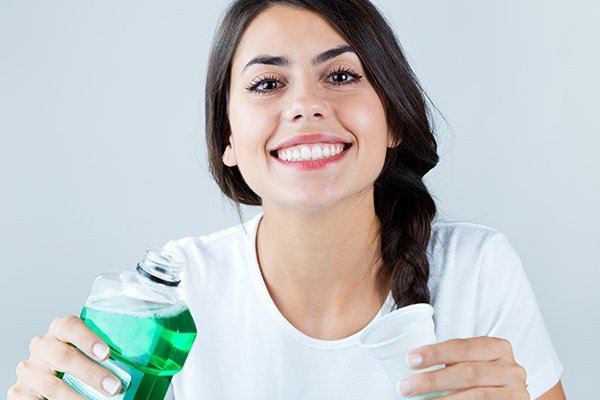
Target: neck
321,263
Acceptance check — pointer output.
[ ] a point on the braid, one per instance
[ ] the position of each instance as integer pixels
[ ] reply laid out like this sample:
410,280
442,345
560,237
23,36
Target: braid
406,210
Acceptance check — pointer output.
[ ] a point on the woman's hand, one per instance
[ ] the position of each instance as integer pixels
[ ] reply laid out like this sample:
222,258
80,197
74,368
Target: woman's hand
53,352
476,368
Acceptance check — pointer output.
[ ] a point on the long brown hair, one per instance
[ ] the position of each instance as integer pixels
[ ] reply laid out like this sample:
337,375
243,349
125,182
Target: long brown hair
402,202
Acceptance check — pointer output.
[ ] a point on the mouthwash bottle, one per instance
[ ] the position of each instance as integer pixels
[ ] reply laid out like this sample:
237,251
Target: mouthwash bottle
149,329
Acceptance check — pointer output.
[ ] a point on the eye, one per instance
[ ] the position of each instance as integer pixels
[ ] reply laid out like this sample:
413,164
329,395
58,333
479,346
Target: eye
345,72
259,87
264,84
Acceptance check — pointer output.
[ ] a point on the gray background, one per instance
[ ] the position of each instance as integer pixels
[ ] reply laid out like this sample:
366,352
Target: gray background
102,153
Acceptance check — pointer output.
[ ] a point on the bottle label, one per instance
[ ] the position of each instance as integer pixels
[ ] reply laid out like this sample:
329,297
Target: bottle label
90,393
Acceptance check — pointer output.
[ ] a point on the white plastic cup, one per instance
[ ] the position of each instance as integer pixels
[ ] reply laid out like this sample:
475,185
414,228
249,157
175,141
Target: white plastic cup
395,335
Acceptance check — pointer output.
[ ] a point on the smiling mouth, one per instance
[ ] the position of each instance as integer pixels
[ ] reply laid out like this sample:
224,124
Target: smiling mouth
346,147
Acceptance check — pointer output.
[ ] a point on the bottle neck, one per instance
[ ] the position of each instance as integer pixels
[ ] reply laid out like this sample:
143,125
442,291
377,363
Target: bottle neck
166,292
160,266
155,278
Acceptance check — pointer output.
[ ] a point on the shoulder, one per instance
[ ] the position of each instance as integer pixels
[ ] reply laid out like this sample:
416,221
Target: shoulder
458,245
220,249
207,243
453,234
475,277
474,260
477,261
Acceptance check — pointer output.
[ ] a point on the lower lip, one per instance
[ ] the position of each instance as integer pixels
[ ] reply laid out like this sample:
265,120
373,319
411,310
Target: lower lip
307,165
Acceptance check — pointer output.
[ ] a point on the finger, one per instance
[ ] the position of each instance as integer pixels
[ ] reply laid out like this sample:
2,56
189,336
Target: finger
487,393
65,358
17,393
71,329
44,384
461,376
25,366
449,392
483,348
38,363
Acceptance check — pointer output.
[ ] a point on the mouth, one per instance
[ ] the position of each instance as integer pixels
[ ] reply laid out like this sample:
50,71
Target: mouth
346,146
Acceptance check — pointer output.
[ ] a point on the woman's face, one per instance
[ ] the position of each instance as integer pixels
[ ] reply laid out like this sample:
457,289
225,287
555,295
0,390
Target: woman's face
300,99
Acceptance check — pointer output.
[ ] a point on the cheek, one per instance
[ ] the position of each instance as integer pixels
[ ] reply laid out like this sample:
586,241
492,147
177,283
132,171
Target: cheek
366,119
252,125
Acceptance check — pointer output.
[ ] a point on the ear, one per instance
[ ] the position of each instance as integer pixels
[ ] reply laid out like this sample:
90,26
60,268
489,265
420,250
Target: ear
229,157
392,141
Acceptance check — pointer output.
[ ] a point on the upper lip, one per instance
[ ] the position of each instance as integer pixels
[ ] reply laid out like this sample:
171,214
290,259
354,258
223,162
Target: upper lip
313,137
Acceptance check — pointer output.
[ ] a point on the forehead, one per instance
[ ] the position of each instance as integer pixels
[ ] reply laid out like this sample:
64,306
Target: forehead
284,30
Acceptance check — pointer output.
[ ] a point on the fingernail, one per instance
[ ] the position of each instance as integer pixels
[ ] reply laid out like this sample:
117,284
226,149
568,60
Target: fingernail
100,350
414,360
110,385
406,387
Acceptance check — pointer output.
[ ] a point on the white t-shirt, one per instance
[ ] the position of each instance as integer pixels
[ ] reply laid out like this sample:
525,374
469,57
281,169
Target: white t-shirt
246,349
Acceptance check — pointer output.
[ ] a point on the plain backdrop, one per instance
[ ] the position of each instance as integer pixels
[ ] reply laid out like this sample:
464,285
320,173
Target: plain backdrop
102,146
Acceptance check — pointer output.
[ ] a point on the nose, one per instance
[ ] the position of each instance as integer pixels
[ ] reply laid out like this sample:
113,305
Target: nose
307,105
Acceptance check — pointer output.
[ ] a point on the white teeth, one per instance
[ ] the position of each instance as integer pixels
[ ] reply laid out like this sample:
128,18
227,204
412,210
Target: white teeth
296,154
314,152
305,152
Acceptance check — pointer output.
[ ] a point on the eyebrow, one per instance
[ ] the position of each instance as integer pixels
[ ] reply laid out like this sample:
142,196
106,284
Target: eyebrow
286,62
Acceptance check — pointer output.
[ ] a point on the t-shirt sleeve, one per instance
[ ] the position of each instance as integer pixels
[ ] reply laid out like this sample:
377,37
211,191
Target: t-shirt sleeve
173,247
170,395
507,308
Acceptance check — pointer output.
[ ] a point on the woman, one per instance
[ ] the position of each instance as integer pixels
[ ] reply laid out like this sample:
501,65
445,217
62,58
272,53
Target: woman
313,113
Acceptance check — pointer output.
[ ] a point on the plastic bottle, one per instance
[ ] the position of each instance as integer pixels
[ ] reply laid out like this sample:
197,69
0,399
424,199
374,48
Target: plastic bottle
149,329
